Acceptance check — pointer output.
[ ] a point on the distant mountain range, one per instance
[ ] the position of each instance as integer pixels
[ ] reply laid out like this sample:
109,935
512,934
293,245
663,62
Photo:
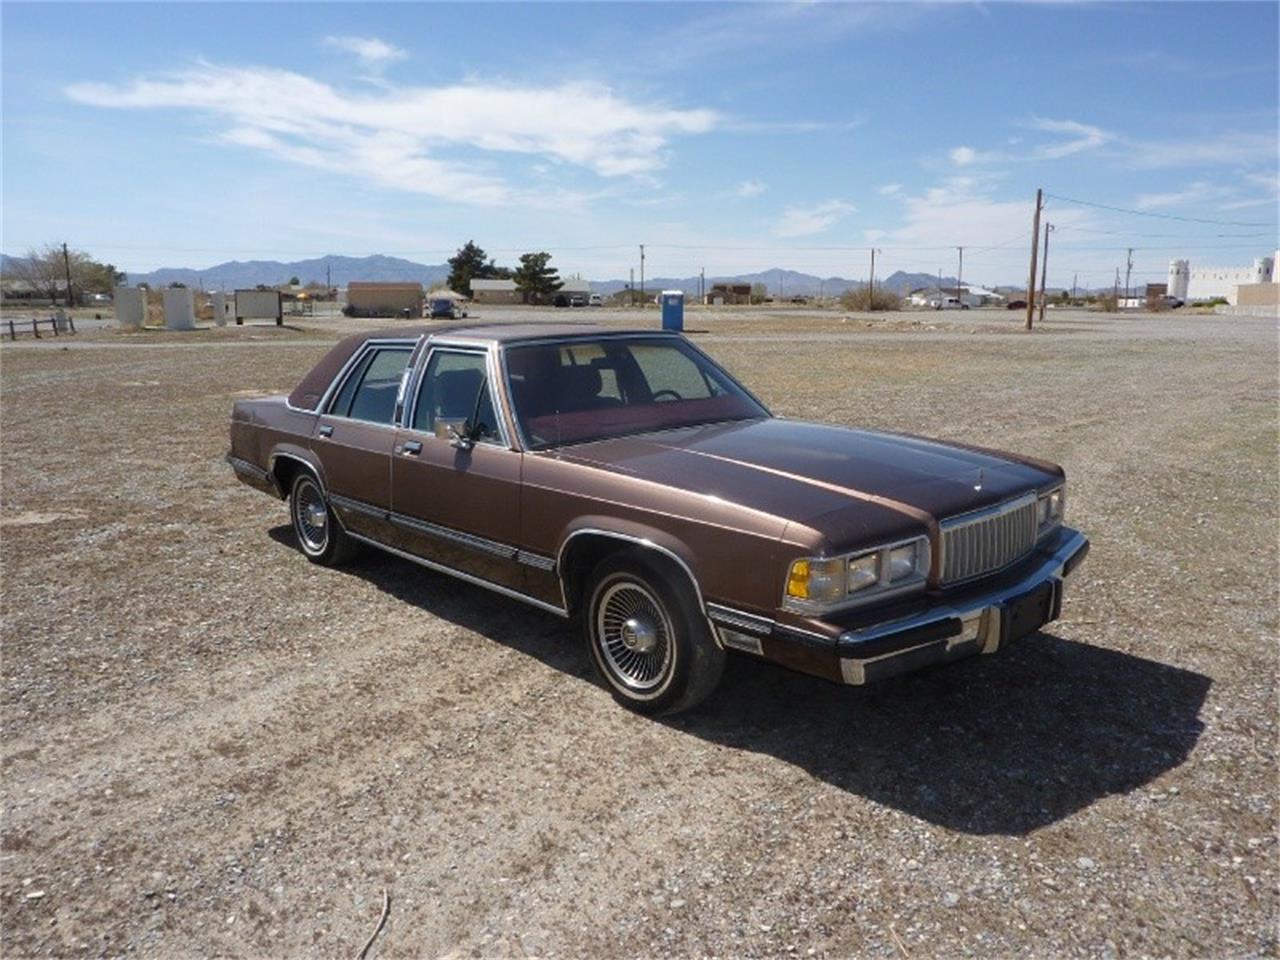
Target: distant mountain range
339,271
240,274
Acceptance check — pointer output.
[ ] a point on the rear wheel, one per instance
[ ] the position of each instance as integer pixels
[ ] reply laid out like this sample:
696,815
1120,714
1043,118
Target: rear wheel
647,637
319,533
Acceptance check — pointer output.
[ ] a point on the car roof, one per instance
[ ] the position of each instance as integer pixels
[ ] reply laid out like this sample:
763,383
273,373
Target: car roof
508,332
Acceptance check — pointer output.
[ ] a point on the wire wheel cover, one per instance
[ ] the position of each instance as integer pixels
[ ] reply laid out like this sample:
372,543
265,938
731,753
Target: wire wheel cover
311,517
634,636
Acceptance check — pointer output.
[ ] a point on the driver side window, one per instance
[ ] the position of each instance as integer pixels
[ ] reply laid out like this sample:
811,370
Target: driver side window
455,387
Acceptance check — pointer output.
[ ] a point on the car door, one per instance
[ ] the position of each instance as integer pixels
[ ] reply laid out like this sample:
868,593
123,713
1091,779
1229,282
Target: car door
457,503
355,434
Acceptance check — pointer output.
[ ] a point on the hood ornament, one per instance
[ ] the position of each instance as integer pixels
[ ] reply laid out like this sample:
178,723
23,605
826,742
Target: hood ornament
981,473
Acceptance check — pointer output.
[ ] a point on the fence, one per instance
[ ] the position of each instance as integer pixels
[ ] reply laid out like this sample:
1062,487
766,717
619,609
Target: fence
36,322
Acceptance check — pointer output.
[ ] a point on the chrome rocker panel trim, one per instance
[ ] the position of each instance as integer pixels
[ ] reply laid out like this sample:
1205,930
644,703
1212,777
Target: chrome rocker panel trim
974,622
469,578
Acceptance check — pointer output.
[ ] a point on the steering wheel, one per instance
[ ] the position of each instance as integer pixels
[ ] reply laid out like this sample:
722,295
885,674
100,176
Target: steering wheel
668,393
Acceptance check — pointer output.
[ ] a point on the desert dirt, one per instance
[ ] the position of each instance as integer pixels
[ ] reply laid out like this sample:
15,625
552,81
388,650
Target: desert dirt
213,747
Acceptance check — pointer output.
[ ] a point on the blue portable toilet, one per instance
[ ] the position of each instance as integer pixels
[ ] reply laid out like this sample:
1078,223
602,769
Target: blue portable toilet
672,309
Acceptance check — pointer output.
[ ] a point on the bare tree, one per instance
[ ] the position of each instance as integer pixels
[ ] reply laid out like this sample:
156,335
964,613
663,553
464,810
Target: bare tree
46,270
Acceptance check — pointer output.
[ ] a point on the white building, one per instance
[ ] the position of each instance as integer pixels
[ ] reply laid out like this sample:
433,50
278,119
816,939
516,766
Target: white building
1207,283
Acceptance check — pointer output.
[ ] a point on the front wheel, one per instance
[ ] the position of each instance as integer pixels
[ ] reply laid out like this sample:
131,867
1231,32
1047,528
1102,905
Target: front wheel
319,533
647,637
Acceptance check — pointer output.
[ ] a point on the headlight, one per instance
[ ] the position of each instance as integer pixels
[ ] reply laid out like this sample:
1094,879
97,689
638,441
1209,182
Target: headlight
1050,508
821,583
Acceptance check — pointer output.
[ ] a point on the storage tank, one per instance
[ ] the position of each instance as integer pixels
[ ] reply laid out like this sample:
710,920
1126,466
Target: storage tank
1179,278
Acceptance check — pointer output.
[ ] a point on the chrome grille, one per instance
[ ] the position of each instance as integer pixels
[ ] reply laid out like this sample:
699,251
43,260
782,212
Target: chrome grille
988,540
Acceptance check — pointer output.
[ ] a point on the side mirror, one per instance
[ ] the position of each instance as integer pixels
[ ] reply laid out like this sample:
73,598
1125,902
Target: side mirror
457,432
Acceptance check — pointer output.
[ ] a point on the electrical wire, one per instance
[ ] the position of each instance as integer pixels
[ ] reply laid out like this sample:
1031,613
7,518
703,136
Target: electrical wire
1159,216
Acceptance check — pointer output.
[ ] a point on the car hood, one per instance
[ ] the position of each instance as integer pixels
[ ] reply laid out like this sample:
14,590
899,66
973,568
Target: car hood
812,473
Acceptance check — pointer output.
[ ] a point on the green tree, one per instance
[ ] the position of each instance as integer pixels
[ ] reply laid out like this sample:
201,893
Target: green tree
472,263
294,282
536,277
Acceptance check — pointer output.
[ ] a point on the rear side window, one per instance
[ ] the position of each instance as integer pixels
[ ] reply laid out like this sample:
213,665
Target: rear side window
369,392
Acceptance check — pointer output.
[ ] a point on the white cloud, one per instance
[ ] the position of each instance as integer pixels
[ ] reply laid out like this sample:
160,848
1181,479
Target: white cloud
890,190
803,221
1081,136
391,137
1195,192
1231,148
751,188
371,51
963,156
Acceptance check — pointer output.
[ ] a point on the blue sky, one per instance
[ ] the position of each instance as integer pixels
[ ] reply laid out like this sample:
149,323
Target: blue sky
730,137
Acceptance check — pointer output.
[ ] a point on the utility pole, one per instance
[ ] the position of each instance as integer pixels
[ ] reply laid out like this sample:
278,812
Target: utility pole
871,289
782,293
1115,293
66,266
702,284
1044,270
1075,278
631,287
1128,270
328,282
642,275
1035,246
960,277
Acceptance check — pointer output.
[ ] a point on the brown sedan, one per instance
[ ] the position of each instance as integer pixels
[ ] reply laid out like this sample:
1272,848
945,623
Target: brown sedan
626,478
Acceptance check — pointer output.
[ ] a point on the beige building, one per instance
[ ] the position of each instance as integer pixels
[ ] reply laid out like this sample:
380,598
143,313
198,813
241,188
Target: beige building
1258,295
369,299
496,291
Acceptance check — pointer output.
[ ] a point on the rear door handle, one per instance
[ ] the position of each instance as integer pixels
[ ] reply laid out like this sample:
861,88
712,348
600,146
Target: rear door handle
326,430
411,448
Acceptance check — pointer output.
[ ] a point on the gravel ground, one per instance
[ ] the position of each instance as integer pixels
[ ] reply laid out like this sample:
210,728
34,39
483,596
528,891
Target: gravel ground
212,747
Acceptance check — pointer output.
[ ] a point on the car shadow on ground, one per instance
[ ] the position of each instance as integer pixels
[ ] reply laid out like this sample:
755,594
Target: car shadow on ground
990,745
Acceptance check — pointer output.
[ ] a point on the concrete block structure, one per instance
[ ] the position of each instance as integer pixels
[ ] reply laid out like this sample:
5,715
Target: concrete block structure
179,308
131,307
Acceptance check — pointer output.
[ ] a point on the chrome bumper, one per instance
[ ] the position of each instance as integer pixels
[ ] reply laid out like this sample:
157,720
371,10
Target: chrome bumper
949,631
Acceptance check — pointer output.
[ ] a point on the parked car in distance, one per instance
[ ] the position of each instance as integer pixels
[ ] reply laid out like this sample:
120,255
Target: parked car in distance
595,300
627,480
577,300
1016,305
948,303
445,308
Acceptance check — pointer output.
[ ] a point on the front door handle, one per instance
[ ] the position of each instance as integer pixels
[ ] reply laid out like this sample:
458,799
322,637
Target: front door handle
326,430
411,448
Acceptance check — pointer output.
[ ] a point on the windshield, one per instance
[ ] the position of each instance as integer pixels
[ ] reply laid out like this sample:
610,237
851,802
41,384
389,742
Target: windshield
582,390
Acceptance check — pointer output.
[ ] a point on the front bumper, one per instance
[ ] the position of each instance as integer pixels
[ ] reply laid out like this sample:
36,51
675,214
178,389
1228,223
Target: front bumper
975,623
861,646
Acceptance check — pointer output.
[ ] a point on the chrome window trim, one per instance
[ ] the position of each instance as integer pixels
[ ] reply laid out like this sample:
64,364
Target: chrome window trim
490,371
353,361
506,345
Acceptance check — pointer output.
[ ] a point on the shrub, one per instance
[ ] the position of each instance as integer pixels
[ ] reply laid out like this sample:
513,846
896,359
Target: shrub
862,298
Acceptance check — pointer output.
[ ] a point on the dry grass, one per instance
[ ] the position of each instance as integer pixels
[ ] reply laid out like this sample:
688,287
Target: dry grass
211,746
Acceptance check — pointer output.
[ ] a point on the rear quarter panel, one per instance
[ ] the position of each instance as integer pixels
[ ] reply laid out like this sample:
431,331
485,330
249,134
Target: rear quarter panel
266,428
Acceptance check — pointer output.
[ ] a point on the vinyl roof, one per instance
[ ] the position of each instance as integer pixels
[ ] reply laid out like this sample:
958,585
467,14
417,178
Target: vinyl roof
509,332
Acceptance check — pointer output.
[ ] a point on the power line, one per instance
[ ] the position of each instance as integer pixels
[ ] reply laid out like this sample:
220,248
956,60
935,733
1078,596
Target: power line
1159,216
